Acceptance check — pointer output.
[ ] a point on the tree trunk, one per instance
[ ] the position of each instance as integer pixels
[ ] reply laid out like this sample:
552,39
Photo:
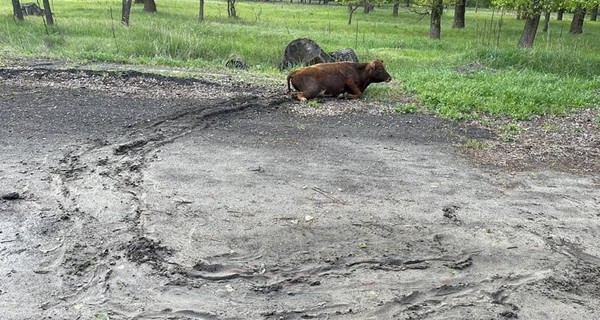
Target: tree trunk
201,11
395,8
366,6
459,14
48,13
529,30
594,13
125,10
407,4
149,6
578,18
351,10
435,22
559,14
231,9
546,21
17,10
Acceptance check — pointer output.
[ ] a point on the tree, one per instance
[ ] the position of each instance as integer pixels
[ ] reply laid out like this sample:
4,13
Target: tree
48,13
435,21
559,14
231,9
17,10
367,6
352,6
546,21
459,14
125,10
395,8
149,6
201,11
578,18
530,11
532,20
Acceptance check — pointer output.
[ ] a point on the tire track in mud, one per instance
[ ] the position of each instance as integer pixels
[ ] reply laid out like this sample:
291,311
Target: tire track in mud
115,170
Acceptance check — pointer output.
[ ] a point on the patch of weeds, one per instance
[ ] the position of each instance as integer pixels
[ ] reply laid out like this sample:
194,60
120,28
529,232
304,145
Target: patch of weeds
512,128
577,129
549,127
505,137
313,103
102,316
406,108
476,144
509,131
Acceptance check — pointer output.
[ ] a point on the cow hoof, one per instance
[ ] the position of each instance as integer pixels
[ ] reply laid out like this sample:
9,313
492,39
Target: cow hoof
302,99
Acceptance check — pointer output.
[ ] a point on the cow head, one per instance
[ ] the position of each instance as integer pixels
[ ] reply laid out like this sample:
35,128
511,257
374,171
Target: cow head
377,72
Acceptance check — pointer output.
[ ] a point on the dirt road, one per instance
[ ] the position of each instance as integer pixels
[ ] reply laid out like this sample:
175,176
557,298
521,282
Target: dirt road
148,197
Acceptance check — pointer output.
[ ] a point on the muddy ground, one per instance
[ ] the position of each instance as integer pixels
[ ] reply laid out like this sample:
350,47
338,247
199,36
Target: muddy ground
139,196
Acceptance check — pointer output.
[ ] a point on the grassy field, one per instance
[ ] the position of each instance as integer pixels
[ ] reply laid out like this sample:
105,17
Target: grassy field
468,72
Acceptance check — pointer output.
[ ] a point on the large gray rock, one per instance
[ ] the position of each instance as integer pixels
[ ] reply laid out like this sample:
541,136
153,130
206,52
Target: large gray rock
303,52
346,54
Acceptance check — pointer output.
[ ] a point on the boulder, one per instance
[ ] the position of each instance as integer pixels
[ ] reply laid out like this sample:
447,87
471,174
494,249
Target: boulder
303,52
346,54
236,62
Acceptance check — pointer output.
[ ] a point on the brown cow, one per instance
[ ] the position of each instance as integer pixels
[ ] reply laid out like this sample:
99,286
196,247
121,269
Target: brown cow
349,79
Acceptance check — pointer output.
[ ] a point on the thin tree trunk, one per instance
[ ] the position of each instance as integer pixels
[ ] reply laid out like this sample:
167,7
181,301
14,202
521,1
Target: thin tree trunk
559,14
17,10
125,10
594,13
546,21
149,6
201,11
435,22
459,14
351,10
48,13
395,8
529,30
577,22
231,9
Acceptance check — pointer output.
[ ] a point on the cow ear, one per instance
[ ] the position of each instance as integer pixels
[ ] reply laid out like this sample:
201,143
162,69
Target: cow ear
371,65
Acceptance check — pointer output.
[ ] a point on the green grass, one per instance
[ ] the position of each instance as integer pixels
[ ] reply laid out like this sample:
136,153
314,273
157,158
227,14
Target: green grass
469,72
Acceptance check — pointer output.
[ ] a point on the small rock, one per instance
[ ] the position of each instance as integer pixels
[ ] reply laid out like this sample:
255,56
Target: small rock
11,196
256,169
450,212
509,315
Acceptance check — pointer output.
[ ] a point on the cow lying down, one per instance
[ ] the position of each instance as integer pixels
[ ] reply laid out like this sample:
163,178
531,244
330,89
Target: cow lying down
341,79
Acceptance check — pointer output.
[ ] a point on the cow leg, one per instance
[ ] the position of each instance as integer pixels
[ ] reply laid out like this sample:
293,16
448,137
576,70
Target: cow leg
356,93
310,90
305,95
